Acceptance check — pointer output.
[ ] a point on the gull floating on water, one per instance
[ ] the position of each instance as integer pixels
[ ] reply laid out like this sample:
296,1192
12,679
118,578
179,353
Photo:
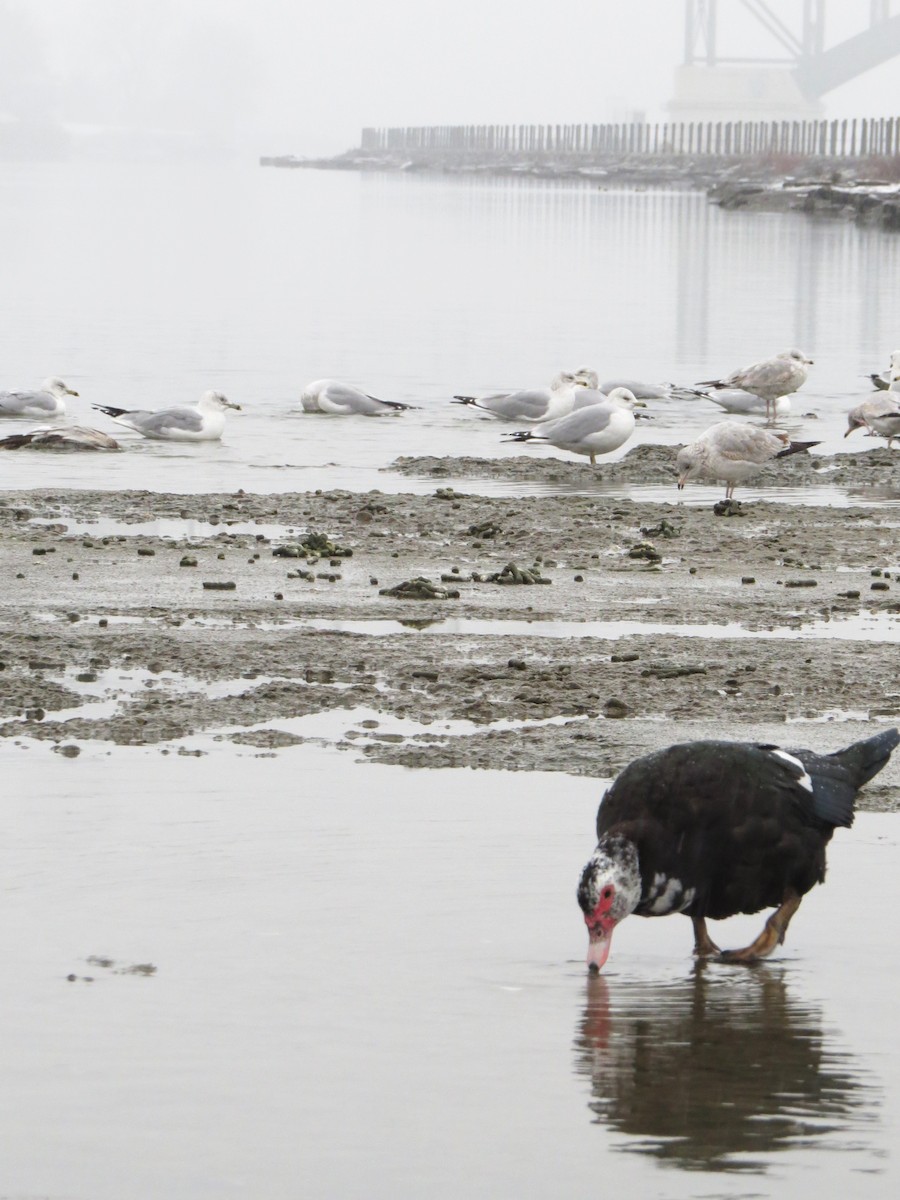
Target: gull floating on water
596,429
769,379
651,391
535,404
888,380
734,400
203,422
332,396
60,437
47,401
732,452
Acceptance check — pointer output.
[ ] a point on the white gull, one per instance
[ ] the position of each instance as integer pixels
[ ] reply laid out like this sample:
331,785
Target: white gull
203,422
343,399
534,404
598,428
46,401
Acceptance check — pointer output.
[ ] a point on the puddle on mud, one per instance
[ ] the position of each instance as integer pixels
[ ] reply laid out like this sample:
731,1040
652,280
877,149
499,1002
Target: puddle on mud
860,627
336,724
385,971
177,529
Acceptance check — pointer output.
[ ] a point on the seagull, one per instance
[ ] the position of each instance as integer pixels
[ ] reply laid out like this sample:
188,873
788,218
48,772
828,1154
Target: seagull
881,416
732,452
47,401
769,379
734,400
535,404
60,437
715,828
204,422
332,396
885,380
651,391
596,429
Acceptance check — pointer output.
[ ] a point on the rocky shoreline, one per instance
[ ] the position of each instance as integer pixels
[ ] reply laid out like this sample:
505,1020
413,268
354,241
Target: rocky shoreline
658,622
863,190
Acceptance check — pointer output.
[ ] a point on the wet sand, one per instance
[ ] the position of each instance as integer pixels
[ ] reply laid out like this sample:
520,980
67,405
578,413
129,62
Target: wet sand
668,621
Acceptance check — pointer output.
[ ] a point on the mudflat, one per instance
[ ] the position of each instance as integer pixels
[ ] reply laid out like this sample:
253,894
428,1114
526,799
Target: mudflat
554,632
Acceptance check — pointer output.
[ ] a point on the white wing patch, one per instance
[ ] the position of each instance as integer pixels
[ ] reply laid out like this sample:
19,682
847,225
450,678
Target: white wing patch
668,898
804,779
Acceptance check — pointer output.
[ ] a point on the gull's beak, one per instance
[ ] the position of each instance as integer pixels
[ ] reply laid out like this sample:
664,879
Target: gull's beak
231,404
682,480
70,392
851,429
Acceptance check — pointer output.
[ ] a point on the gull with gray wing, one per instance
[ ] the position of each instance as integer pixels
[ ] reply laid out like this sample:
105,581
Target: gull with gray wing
735,400
46,401
881,414
596,429
204,422
534,404
343,399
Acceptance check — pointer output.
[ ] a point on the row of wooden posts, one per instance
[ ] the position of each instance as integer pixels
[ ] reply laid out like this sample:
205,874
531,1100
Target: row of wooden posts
852,138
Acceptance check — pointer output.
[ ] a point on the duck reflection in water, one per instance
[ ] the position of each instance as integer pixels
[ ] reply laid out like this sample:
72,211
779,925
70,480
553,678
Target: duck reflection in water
718,1072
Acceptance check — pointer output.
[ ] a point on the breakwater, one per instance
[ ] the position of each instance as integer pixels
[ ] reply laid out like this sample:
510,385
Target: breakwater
848,168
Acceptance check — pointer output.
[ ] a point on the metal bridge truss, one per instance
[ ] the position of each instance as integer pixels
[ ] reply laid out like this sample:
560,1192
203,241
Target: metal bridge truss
817,70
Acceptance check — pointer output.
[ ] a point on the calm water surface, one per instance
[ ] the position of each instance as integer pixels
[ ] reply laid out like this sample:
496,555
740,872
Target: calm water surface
143,286
370,981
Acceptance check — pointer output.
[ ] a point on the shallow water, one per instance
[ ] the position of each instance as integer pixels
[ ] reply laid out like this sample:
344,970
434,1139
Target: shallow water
142,286
859,627
371,982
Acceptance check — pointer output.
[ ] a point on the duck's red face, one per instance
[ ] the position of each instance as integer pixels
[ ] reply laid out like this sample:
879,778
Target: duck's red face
609,889
601,923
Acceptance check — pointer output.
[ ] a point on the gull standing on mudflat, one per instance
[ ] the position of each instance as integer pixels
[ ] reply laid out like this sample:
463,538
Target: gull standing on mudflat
46,401
204,422
332,396
599,428
534,404
732,452
880,415
769,379
60,437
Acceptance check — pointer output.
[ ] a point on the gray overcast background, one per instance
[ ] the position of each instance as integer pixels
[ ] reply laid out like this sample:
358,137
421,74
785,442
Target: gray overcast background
273,76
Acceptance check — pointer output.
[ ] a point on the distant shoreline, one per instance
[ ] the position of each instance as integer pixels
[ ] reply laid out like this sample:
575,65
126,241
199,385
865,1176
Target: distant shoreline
866,191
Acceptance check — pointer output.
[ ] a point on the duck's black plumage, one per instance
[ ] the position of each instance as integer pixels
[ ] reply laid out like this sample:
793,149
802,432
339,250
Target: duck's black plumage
721,828
734,821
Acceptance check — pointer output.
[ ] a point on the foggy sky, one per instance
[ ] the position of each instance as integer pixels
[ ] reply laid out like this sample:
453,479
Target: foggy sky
273,76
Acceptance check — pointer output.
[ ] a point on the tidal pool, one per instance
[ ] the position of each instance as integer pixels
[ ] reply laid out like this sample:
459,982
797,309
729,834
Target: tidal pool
370,981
